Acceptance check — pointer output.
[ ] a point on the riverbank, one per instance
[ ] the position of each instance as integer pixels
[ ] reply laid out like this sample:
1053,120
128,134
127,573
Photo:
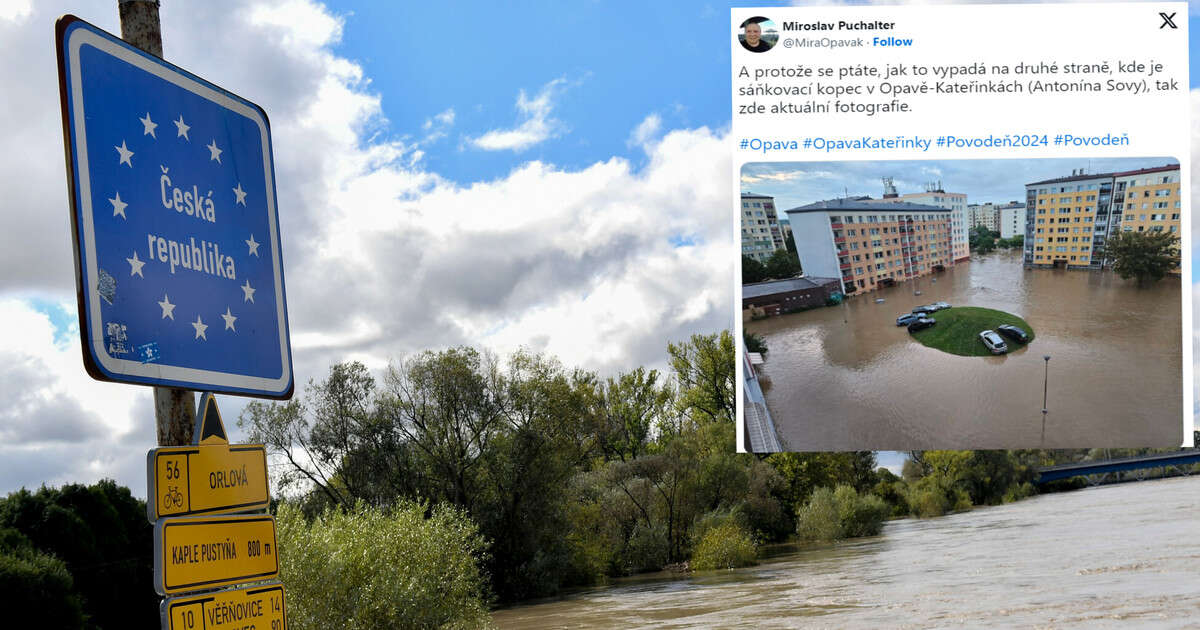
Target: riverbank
1123,554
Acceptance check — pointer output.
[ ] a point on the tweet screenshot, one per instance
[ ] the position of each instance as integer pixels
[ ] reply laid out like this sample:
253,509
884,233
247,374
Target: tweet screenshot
963,227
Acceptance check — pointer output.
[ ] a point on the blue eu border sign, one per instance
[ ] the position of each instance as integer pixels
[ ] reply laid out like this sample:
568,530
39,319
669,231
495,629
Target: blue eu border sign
178,267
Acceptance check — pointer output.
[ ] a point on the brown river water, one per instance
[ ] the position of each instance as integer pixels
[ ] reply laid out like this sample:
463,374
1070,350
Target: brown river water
1119,556
848,378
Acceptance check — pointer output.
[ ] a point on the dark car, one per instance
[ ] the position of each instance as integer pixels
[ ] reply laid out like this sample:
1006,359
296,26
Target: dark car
924,309
1014,333
921,324
907,318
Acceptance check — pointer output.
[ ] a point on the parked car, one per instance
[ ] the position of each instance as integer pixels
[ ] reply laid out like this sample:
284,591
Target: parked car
993,342
907,318
924,309
921,324
940,305
1014,333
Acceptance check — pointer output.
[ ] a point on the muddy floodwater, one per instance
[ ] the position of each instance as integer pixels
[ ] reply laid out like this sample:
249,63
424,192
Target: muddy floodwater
1120,556
848,378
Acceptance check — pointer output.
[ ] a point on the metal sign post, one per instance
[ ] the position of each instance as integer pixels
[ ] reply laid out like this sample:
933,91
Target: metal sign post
209,477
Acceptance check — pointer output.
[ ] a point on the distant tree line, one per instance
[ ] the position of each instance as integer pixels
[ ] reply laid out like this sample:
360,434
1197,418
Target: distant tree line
781,265
983,240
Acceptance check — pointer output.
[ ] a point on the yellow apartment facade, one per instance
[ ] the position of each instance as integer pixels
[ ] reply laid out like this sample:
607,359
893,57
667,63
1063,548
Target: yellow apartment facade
1069,219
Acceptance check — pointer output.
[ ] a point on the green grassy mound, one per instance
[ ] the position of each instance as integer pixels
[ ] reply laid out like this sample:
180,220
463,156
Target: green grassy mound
957,330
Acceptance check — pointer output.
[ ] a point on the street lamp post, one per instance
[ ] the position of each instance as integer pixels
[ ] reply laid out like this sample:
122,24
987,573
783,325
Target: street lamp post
1045,386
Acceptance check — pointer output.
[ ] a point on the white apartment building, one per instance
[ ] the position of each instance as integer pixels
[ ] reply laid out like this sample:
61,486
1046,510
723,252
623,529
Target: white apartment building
1011,218
956,203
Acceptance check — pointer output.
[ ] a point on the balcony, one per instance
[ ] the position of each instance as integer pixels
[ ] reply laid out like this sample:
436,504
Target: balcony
836,226
839,239
844,267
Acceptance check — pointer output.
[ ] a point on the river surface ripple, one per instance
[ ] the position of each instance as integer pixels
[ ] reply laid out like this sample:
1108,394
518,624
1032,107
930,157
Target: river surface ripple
1118,556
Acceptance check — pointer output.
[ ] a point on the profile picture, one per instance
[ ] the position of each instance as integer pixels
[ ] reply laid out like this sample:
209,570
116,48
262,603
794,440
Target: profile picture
758,34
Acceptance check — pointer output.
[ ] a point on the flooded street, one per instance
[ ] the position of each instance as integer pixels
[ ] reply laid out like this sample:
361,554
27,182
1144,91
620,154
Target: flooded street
848,378
1118,556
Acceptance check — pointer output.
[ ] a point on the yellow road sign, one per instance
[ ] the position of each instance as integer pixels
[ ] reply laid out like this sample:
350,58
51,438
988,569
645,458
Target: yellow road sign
259,607
201,552
214,479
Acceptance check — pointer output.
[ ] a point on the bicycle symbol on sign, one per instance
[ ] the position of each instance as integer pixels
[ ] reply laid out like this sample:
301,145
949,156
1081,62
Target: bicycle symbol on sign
173,498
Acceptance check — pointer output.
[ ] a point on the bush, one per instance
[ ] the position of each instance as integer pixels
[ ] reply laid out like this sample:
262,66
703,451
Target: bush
647,550
1016,492
724,546
754,343
859,515
366,569
841,513
928,502
818,519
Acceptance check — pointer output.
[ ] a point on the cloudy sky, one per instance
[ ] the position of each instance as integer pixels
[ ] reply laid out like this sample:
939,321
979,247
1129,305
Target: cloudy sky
448,173
997,181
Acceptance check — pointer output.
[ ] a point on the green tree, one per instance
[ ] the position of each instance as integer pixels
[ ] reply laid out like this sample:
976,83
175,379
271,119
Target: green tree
630,405
752,270
38,591
101,534
782,265
982,240
790,241
802,473
704,369
325,438
415,566
1147,256
449,406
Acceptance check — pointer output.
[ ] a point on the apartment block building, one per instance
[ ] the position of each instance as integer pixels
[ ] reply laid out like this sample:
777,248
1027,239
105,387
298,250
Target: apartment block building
982,214
957,204
870,243
1150,199
1010,219
761,233
1069,219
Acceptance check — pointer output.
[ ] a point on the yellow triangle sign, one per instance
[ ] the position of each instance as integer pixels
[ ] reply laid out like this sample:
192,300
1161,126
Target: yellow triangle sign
209,427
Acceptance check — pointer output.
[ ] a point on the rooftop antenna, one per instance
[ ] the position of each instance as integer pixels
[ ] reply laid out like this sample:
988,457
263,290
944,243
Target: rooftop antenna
889,188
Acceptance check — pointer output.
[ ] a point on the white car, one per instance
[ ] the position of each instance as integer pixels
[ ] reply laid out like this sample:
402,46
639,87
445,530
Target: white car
993,342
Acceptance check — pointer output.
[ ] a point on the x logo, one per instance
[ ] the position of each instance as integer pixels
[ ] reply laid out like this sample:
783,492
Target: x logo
1168,20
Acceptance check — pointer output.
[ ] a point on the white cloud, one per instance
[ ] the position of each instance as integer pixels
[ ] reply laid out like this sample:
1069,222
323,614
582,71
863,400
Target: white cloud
16,10
51,404
645,132
536,124
445,118
436,127
798,174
